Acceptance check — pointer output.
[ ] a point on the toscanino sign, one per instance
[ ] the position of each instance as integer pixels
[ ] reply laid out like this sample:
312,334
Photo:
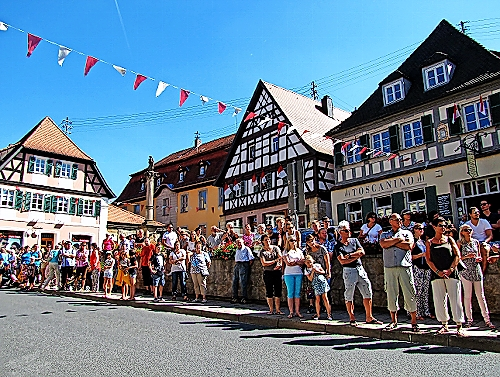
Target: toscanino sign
389,184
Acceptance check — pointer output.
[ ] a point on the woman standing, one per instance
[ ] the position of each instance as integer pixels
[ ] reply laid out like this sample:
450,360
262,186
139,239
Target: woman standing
248,236
443,256
421,273
132,272
472,276
290,231
369,234
94,266
316,275
200,264
257,244
177,259
82,263
320,255
123,276
270,257
349,252
294,259
109,263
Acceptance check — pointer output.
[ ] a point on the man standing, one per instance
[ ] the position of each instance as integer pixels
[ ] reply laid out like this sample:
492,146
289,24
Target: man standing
397,244
124,241
214,239
330,230
157,267
67,264
492,217
53,268
146,253
169,238
243,259
483,232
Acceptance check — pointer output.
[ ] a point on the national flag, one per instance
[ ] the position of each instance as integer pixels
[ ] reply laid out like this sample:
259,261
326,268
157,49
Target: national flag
250,115
482,108
89,63
184,96
222,107
227,189
456,114
236,185
138,80
263,179
120,70
344,147
62,54
3,26
236,111
254,180
161,87
33,41
280,126
392,156
281,172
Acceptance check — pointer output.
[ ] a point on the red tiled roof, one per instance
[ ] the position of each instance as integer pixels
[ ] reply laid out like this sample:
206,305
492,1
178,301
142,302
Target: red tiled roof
122,216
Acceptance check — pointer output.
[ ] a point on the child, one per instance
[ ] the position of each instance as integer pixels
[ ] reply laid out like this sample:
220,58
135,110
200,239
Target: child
316,276
132,273
123,277
109,263
31,273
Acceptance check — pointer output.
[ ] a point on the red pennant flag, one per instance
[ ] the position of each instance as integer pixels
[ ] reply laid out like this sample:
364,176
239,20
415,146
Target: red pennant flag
344,147
363,150
254,180
91,61
263,179
33,41
482,109
227,189
377,153
456,114
197,209
249,116
138,80
392,156
280,126
184,96
305,131
281,172
222,107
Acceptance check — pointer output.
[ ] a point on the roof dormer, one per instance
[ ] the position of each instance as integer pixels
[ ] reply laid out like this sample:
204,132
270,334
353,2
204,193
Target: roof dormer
438,74
395,91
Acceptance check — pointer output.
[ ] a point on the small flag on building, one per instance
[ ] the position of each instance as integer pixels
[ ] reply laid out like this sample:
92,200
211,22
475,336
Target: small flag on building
456,114
281,172
227,190
280,126
254,180
236,185
482,108
263,179
250,115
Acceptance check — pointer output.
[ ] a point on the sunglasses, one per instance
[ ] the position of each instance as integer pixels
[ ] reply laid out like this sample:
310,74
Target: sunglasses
395,219
418,228
468,230
483,204
345,230
292,240
441,225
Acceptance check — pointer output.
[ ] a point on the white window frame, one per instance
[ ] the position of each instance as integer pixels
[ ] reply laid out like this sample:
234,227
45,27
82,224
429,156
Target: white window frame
383,211
181,176
36,202
478,117
416,206
353,215
203,170
221,196
184,203
383,148
166,204
62,204
412,132
39,165
251,152
65,170
447,70
7,198
88,208
392,86
202,200
353,156
275,141
158,182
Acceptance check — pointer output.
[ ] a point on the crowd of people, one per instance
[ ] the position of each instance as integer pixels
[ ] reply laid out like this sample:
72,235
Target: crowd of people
418,258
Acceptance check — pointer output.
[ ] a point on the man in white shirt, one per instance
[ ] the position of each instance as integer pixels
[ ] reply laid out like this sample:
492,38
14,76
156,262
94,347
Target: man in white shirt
169,238
481,231
67,264
243,259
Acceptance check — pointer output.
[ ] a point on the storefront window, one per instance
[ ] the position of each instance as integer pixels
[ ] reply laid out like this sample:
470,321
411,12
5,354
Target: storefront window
416,201
383,206
354,212
467,189
481,187
493,185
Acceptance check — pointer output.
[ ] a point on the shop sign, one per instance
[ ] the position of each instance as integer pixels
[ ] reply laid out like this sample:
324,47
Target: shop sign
384,186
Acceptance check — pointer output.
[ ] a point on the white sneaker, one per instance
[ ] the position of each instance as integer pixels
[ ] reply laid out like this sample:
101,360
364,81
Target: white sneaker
204,301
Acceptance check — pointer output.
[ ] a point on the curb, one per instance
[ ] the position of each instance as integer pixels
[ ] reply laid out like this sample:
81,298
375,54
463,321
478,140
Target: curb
446,340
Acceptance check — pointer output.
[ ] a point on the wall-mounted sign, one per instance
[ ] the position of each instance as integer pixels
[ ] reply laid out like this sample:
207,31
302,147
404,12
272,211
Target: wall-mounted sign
443,133
471,163
444,204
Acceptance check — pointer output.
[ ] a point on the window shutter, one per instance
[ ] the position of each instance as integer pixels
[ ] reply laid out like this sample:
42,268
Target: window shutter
18,204
47,200
48,167
364,141
27,201
53,205
72,206
427,128
398,202
340,212
394,138
57,170
366,206
31,164
494,102
97,208
455,128
74,171
337,153
431,198
79,210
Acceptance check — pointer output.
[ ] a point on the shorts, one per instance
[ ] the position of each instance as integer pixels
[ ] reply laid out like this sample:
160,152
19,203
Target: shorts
108,274
81,272
158,279
132,274
122,279
356,277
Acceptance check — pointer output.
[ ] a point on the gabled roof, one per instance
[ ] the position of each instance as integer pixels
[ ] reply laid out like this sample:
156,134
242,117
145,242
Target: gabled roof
474,65
119,215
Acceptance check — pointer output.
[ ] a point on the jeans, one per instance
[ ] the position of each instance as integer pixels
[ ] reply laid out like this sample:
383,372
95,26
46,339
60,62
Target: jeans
293,285
66,274
178,275
53,272
241,275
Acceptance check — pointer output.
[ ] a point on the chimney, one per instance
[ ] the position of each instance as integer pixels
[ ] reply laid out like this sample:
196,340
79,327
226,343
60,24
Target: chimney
197,139
327,106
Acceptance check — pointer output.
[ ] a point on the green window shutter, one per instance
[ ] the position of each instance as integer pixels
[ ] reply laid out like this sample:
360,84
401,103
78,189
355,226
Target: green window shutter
79,209
53,204
47,201
366,206
394,138
18,203
57,170
427,128
339,157
364,141
431,198
27,200
97,208
494,102
72,206
31,164
455,128
340,212
398,202
48,167
74,171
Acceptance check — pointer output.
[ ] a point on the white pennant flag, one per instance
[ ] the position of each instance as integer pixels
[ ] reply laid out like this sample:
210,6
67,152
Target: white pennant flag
120,70
236,111
161,87
265,120
63,53
3,27
204,99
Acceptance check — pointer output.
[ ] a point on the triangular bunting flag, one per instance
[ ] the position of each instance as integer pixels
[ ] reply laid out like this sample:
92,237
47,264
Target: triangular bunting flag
265,120
280,126
376,154
222,107
33,41
392,156
304,132
363,150
161,87
250,115
120,70
354,147
482,108
184,96
3,26
204,99
344,147
138,80
236,111
236,185
263,179
254,180
281,172
91,61
456,114
227,189
63,53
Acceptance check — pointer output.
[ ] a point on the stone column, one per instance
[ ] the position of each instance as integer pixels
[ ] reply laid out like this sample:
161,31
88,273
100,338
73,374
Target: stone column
150,176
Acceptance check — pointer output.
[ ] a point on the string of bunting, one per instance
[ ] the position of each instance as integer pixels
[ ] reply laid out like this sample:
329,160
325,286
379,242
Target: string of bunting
91,61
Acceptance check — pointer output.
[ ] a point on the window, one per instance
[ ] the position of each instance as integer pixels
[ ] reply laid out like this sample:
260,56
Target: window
221,196
202,200
39,166
475,119
416,201
353,154
241,189
137,209
7,198
143,185
184,203
62,204
37,202
251,152
276,144
165,208
267,181
202,170
383,206
354,212
158,182
382,142
181,176
65,170
438,74
393,92
412,134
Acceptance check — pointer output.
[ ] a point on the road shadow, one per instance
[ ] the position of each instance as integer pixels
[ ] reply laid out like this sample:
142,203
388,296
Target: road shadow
226,325
282,335
438,350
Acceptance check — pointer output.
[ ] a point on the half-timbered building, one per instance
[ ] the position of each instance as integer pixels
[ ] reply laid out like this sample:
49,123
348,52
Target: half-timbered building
280,162
50,190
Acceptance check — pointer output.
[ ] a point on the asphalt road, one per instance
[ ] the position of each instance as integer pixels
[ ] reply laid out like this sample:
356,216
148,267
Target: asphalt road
54,336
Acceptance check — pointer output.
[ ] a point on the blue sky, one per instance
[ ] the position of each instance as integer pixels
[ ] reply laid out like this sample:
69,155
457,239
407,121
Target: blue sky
216,48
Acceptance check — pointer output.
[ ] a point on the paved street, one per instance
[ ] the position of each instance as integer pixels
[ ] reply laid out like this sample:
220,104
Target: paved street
50,336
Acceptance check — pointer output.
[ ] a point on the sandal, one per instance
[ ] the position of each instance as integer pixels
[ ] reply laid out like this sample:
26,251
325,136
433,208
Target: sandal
315,316
279,312
289,316
461,333
353,323
415,328
299,315
391,326
374,321
468,324
443,330
270,313
490,325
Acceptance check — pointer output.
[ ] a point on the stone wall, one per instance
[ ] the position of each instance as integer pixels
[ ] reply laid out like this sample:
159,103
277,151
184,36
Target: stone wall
219,284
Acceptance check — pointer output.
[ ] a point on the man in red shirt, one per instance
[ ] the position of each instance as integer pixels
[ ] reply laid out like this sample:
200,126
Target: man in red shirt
146,253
